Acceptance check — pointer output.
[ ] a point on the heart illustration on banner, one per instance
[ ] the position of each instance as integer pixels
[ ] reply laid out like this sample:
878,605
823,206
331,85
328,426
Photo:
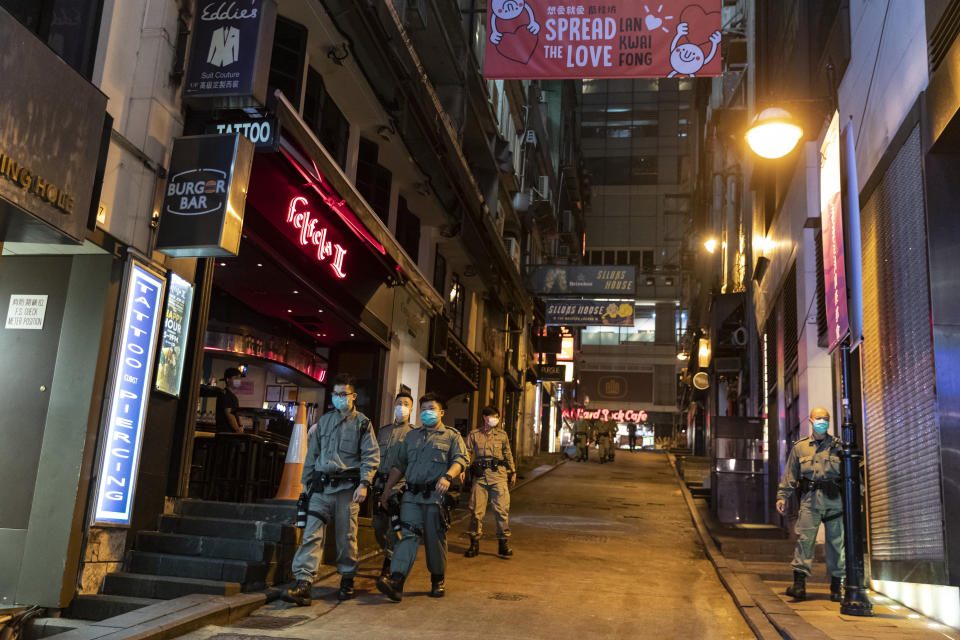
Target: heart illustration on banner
652,22
518,45
701,24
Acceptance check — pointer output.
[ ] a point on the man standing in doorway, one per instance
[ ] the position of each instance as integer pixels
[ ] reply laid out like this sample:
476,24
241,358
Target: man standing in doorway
389,438
632,434
228,403
342,458
491,464
430,457
813,470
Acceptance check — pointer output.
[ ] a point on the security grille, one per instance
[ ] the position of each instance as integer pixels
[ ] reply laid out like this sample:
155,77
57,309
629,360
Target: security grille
901,432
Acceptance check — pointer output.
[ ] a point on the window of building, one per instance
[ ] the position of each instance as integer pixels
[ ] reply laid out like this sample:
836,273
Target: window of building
69,27
643,169
643,330
457,305
647,264
287,60
321,113
408,229
373,180
439,272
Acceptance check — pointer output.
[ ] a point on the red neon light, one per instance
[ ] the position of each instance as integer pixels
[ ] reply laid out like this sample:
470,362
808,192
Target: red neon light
628,415
306,222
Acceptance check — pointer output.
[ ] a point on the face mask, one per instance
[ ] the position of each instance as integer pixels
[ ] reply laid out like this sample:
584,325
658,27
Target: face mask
401,412
235,384
340,403
491,421
429,418
821,426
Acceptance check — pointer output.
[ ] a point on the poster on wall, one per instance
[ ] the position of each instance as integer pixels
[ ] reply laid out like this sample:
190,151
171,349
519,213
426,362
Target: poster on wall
542,39
173,340
129,394
577,280
589,313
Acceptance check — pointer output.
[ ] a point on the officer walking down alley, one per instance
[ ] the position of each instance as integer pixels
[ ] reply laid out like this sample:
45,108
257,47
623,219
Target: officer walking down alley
430,457
605,442
491,464
582,439
342,458
813,470
389,438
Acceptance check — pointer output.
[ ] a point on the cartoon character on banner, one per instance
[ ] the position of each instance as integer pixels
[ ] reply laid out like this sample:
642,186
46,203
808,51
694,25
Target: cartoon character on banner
514,29
687,57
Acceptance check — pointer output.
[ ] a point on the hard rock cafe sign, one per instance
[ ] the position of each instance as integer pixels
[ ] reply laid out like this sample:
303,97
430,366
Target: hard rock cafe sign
620,415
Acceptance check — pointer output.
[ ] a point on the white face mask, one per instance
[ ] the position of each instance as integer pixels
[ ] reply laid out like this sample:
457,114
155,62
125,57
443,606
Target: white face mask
401,412
235,383
492,421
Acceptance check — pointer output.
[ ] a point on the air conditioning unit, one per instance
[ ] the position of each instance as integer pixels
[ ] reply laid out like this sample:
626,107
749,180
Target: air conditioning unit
543,187
513,250
563,251
569,222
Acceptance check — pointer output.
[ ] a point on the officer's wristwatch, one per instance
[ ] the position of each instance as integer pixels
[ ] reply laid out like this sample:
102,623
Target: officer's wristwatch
449,479
365,483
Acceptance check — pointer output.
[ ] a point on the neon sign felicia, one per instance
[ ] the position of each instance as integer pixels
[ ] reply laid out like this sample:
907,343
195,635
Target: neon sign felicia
606,414
300,217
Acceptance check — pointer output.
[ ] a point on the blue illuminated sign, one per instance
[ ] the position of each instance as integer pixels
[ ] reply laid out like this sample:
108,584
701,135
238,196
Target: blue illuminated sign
130,393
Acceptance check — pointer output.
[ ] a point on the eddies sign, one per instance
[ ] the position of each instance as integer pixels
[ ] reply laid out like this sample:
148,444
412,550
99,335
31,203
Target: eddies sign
230,49
129,395
531,39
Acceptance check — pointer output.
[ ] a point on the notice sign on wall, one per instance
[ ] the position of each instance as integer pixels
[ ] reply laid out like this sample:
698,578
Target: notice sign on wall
26,312
173,342
129,395
531,39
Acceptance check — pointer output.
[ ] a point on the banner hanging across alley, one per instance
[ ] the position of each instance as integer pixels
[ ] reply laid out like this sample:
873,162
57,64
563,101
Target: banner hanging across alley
540,39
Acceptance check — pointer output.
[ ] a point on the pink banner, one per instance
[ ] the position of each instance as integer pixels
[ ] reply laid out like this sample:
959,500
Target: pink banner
531,39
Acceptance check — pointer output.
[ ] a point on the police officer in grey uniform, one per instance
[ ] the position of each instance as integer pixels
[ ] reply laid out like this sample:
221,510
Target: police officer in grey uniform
813,470
581,438
342,458
389,438
491,464
430,457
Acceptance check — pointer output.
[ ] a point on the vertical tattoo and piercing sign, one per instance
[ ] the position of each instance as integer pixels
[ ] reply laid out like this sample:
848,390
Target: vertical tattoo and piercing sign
528,39
129,395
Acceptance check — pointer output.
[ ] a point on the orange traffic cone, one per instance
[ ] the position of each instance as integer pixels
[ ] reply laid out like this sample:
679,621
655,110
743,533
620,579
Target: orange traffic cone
290,487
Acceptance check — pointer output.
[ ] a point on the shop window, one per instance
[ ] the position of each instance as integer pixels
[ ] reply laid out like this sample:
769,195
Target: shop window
69,27
408,229
439,272
323,115
287,60
373,180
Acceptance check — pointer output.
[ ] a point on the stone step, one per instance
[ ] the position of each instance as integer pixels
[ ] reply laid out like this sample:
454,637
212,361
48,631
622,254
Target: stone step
101,606
284,512
143,585
208,546
46,627
163,564
227,528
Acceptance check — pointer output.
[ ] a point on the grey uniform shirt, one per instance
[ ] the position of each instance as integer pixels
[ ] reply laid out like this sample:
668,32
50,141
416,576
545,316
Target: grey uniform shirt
339,444
389,438
426,453
811,459
493,444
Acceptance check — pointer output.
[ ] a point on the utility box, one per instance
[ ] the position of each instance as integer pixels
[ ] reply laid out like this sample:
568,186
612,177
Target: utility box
738,476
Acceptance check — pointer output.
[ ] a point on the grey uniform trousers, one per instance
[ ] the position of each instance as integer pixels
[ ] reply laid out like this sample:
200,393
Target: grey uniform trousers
339,508
420,521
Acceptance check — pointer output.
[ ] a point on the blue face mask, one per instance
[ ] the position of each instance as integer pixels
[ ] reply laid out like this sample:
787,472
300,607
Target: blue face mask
429,418
340,403
821,426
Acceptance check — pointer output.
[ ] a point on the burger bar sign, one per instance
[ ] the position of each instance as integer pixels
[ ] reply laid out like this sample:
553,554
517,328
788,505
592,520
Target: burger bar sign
621,415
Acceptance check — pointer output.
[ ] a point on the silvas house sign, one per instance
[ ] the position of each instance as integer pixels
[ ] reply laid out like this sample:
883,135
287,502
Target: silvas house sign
202,210
230,51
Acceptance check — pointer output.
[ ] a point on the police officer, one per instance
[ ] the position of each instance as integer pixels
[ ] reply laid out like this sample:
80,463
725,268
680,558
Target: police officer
582,439
605,442
389,438
632,434
491,464
430,457
342,458
813,469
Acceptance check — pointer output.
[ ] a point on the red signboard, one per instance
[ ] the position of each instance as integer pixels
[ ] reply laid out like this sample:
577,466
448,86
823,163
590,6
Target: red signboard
531,39
621,415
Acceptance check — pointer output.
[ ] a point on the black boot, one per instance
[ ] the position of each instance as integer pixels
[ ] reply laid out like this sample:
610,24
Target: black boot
505,549
392,586
346,587
799,589
385,569
474,547
836,589
301,595
437,589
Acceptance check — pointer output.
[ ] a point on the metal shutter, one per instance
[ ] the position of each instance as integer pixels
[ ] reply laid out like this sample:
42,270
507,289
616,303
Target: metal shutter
901,431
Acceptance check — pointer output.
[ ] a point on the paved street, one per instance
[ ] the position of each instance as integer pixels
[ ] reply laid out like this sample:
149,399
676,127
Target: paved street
601,551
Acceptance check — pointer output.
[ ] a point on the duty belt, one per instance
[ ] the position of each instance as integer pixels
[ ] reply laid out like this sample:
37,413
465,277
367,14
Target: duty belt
334,480
830,487
482,464
422,489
